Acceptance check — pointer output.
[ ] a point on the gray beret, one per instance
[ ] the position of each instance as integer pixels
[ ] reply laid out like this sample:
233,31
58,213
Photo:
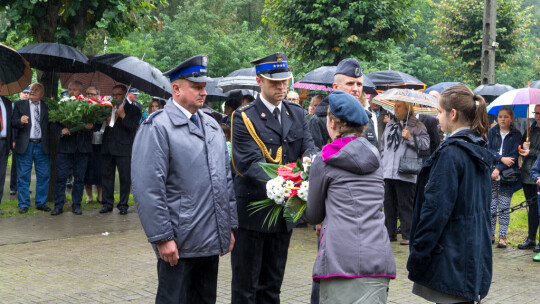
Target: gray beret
347,107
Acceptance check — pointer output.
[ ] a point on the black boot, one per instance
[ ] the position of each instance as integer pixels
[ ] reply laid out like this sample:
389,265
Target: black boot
528,244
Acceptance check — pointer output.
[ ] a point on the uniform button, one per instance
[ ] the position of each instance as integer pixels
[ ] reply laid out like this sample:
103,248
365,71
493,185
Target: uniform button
285,140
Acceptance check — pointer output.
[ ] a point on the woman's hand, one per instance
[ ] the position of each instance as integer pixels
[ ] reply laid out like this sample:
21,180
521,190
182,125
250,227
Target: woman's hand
524,152
495,174
318,230
538,181
406,134
508,161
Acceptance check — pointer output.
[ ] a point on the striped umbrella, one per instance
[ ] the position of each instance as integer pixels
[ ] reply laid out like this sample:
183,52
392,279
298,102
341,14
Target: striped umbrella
15,72
422,103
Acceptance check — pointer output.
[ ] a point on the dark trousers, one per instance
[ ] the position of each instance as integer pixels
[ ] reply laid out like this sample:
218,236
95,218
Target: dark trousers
191,281
65,164
13,178
531,195
398,200
3,164
109,165
258,265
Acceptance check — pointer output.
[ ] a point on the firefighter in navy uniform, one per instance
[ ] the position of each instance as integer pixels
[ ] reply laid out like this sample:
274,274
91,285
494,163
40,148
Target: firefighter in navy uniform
273,130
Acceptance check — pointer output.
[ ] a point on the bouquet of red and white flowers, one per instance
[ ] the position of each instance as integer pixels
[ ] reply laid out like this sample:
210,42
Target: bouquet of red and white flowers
287,191
76,111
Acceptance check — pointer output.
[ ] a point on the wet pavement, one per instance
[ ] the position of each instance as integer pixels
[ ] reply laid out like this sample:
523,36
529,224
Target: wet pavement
105,258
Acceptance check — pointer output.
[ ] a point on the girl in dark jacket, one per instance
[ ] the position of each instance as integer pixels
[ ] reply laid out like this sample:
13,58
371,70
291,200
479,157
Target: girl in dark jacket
503,144
450,257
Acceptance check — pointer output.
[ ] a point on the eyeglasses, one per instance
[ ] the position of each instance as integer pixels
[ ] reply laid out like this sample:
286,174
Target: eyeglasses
536,113
91,94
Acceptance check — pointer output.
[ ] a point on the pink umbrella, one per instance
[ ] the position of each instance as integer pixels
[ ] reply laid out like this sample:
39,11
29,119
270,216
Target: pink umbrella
312,86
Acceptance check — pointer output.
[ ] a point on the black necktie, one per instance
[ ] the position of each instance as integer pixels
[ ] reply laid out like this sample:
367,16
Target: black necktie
276,114
193,118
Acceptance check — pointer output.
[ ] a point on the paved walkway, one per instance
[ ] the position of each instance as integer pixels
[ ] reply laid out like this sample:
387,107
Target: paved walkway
97,258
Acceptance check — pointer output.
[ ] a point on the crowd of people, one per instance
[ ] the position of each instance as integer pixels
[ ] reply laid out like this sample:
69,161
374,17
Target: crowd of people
201,173
84,159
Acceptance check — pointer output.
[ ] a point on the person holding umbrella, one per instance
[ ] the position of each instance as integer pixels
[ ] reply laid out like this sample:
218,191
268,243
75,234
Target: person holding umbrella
116,147
403,137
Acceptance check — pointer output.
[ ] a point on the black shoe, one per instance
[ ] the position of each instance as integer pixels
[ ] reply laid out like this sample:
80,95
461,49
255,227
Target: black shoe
537,248
528,244
69,185
105,209
43,208
77,210
23,210
12,192
123,211
57,211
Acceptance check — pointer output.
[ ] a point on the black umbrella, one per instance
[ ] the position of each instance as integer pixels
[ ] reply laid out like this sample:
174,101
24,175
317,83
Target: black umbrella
242,92
55,57
15,73
535,84
133,71
214,93
491,91
325,76
240,79
389,79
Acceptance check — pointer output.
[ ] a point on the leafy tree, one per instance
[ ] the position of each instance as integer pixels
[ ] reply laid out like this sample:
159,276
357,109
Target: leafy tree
458,29
201,27
69,22
327,31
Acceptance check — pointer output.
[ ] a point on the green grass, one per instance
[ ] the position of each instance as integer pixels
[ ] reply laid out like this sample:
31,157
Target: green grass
518,228
10,208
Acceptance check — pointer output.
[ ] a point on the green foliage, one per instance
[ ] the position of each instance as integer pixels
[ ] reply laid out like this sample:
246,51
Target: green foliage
74,113
68,21
270,169
273,212
327,31
201,27
294,209
458,29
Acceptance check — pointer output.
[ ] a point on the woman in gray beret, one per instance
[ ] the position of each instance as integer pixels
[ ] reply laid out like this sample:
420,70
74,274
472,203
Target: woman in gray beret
355,261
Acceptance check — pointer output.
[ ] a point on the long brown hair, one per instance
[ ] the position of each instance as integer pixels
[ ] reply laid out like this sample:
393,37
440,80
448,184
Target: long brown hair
471,108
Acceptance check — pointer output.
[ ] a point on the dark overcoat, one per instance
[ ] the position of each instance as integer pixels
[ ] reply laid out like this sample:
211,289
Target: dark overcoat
450,240
250,183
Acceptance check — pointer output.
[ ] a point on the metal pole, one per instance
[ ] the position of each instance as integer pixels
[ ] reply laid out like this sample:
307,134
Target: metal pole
488,42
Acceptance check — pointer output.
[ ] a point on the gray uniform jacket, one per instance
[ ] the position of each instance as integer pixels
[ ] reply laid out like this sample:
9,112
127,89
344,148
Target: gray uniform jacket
347,191
390,158
182,182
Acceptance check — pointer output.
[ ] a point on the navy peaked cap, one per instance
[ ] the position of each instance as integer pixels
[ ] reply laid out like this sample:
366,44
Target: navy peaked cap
273,67
192,69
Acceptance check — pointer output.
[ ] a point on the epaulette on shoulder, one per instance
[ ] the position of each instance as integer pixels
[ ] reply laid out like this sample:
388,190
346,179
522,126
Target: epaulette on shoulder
245,107
148,119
